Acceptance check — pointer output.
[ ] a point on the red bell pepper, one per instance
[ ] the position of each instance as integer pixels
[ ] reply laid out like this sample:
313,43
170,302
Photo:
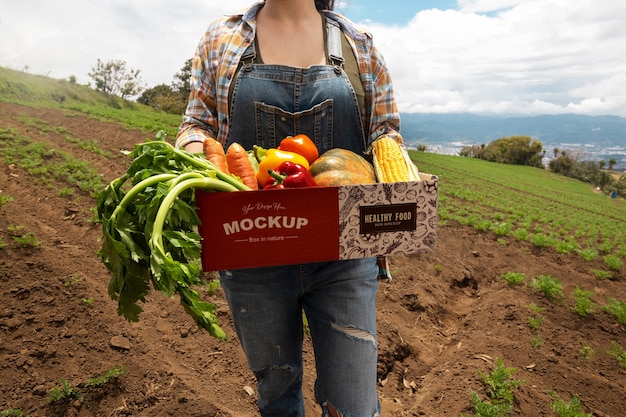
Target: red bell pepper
289,175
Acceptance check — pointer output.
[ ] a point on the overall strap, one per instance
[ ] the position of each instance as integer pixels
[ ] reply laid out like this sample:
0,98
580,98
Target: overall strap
334,51
249,56
335,55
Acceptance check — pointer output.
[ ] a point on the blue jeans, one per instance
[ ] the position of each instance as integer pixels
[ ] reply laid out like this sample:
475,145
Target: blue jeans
339,299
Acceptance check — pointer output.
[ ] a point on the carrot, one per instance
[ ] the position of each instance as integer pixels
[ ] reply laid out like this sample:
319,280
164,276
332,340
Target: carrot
214,152
239,165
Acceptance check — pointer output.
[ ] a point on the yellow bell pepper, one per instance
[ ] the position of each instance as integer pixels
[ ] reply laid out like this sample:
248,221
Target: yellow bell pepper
273,158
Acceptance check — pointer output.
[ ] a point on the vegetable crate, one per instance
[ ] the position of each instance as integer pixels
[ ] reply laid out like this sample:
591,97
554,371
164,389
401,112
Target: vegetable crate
299,225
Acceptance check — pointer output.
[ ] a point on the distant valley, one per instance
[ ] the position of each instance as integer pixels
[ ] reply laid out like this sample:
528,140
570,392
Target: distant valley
603,137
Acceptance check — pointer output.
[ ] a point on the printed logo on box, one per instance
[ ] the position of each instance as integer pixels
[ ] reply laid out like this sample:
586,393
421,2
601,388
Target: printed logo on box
388,218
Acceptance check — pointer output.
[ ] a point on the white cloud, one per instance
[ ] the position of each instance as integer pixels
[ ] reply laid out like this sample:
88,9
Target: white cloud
500,56
545,56
67,37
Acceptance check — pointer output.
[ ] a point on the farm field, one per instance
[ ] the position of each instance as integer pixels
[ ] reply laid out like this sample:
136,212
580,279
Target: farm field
528,272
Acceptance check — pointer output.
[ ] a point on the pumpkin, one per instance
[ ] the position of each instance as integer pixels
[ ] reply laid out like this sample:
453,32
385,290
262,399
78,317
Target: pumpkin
341,167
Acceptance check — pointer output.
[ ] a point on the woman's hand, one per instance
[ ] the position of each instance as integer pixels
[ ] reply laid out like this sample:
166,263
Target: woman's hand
194,147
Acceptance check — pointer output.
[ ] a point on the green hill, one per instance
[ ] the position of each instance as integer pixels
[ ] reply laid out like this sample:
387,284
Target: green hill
40,91
529,204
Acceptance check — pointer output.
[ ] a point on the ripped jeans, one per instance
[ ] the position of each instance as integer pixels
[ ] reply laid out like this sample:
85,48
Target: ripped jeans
339,299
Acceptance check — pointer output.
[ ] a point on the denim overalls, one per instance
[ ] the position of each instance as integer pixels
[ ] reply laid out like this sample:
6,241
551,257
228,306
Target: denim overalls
268,103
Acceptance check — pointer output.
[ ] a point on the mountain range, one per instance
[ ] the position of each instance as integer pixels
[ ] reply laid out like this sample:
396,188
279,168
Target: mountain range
603,137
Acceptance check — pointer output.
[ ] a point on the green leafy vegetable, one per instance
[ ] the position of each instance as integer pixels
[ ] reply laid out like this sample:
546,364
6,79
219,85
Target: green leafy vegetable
149,224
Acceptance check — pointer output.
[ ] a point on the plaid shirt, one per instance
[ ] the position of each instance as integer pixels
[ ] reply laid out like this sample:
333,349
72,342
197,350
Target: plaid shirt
215,64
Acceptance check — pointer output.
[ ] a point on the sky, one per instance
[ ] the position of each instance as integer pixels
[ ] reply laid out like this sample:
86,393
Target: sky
479,56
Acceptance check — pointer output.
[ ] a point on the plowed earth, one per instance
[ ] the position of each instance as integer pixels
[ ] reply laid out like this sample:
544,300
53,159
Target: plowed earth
444,317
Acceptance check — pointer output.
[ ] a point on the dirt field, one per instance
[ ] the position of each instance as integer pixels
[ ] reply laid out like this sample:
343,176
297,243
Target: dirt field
444,317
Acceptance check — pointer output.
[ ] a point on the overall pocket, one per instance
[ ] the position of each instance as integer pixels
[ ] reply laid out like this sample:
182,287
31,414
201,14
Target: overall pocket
274,123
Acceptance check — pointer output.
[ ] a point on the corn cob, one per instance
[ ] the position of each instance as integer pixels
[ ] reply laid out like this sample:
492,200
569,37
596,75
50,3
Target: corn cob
390,162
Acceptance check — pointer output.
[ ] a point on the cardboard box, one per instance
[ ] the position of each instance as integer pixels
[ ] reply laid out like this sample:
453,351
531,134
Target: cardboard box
289,226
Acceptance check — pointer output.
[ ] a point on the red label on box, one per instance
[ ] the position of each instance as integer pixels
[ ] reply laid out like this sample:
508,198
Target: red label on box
268,227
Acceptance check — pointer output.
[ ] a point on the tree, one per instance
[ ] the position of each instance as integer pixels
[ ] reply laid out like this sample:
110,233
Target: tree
162,97
601,163
561,165
612,163
181,79
516,150
113,78
170,99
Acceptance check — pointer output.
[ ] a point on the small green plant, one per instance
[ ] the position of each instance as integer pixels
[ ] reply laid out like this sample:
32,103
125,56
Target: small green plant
64,393
602,275
14,412
583,305
613,262
487,408
534,322
88,301
501,229
514,278
5,199
535,309
619,353
521,234
28,239
438,268
66,192
550,287
618,309
15,229
499,382
305,324
74,279
213,285
104,379
541,241
566,246
536,342
586,351
500,386
588,254
3,244
573,408
23,239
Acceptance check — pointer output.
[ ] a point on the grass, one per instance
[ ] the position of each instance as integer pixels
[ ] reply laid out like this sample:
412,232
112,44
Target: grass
51,167
529,204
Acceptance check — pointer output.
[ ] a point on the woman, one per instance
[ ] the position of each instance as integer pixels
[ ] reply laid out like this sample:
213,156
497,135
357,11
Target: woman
284,67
